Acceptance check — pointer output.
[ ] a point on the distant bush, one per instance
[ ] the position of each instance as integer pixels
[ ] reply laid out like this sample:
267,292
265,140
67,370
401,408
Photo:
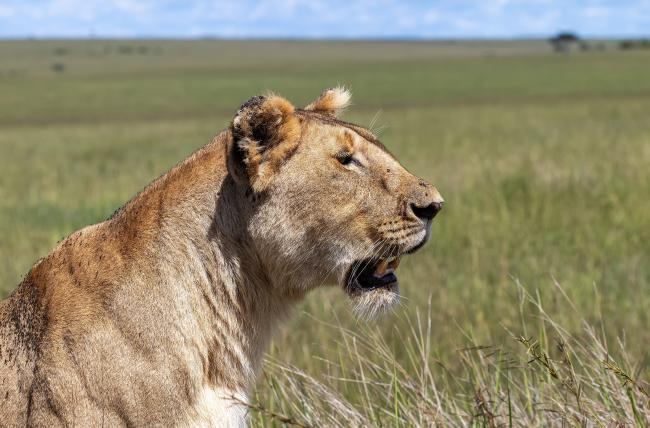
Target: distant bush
59,51
125,49
58,67
634,44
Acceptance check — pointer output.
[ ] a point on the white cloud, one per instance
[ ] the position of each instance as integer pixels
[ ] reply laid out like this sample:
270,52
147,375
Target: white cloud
596,12
6,11
132,6
431,16
465,25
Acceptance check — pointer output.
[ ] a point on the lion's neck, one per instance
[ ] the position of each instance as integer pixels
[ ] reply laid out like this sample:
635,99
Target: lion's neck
238,293
224,299
241,306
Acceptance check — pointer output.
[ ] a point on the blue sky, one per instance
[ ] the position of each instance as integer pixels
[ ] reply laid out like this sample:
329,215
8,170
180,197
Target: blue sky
320,18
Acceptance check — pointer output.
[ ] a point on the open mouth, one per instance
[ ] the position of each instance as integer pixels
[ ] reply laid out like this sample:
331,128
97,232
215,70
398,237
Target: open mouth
371,274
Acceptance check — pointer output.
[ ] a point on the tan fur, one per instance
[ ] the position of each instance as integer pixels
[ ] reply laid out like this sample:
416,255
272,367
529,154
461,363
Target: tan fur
332,101
160,315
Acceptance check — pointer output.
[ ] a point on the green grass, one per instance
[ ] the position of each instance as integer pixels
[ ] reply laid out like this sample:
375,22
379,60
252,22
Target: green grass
543,159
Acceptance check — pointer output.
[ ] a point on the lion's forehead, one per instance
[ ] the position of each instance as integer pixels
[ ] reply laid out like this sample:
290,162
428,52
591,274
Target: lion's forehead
346,136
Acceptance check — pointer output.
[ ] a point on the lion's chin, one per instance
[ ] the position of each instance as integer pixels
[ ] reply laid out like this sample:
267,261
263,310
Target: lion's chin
369,304
372,286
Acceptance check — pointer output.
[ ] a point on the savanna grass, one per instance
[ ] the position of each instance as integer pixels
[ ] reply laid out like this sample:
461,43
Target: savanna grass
552,379
543,159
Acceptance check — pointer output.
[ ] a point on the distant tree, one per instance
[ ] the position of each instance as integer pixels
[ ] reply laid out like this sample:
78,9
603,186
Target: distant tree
567,37
563,41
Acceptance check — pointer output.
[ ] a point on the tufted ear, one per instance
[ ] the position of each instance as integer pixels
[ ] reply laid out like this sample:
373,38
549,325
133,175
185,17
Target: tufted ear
265,133
332,101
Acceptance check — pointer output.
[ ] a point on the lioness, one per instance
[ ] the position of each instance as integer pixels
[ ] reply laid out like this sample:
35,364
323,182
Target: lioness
160,315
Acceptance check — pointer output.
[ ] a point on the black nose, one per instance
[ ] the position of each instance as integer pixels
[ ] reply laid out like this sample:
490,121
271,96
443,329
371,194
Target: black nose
427,212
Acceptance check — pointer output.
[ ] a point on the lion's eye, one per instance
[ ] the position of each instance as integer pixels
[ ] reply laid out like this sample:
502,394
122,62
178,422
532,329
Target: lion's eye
345,158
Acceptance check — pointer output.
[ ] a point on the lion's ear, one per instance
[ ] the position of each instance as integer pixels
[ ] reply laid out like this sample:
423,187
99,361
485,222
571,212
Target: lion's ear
265,132
332,101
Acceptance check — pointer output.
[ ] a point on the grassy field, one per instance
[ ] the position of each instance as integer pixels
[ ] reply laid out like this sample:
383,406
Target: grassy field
543,159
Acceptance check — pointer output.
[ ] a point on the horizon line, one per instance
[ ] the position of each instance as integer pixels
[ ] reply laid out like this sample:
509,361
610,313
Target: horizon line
368,38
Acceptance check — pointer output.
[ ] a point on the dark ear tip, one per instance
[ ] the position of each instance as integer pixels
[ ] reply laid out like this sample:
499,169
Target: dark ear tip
256,101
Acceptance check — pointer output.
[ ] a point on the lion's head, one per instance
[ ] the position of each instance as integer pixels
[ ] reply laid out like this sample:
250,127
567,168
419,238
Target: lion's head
331,205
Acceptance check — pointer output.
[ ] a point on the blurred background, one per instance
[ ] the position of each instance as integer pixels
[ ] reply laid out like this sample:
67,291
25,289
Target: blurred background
531,117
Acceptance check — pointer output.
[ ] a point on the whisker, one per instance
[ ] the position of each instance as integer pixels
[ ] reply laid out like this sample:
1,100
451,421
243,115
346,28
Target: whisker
373,122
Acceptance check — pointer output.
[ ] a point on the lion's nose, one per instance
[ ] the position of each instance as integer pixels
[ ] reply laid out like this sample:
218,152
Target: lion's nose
427,212
426,202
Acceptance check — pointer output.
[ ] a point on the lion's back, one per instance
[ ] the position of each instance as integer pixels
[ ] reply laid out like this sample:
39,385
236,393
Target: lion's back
21,330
